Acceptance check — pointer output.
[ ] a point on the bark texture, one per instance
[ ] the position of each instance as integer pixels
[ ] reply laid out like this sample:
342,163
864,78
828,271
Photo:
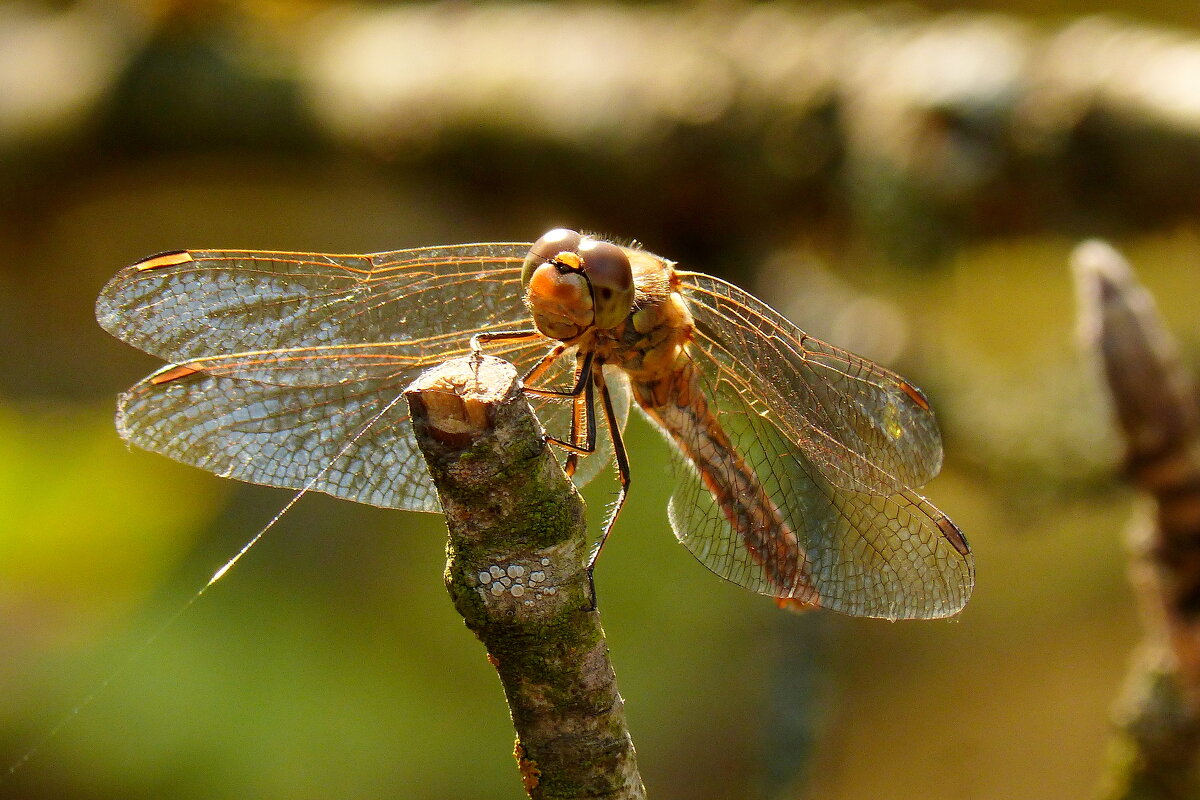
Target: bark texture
517,572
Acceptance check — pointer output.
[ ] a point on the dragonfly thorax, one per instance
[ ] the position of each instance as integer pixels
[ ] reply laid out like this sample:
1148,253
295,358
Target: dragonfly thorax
574,283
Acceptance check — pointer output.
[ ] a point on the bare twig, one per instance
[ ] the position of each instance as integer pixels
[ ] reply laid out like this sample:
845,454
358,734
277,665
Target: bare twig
1154,399
517,572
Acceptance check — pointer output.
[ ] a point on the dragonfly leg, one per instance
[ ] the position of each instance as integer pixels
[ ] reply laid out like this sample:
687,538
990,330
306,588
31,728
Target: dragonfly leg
582,408
478,339
583,412
583,371
543,364
622,458
583,415
583,396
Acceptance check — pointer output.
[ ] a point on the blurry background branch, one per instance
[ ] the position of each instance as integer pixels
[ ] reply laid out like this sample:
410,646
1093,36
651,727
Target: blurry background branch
864,121
517,571
1154,398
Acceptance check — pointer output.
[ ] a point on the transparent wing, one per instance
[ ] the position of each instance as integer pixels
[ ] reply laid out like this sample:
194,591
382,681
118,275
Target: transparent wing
284,359
426,303
890,555
350,440
833,442
864,427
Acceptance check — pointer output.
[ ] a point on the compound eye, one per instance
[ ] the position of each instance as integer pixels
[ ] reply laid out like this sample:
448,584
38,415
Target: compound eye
547,248
607,269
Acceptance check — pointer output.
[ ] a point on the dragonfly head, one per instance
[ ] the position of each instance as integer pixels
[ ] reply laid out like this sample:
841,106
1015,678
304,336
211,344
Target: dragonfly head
574,282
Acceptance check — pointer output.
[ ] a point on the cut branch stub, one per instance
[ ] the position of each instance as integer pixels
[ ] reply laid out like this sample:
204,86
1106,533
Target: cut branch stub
517,572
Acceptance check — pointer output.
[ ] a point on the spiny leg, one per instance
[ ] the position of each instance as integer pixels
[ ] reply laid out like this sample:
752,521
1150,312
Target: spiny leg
614,429
579,407
478,339
622,458
583,410
535,372
583,415
543,364
583,369
582,392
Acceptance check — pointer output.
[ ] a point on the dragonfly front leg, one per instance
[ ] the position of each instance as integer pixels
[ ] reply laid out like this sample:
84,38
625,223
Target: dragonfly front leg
478,339
583,411
582,414
583,370
535,372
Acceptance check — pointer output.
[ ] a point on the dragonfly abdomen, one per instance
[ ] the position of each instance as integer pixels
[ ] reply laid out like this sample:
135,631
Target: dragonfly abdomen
679,406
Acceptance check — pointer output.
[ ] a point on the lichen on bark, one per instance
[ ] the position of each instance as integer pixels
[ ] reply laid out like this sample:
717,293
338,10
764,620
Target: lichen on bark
517,572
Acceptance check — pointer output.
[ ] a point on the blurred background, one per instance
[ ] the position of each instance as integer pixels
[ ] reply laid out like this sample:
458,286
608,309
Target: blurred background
899,180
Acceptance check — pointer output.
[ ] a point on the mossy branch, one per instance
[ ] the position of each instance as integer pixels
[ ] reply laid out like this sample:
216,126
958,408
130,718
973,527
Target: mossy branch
517,572
1154,399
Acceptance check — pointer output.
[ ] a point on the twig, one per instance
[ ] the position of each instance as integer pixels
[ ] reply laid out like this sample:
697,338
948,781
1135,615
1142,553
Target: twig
516,571
1154,399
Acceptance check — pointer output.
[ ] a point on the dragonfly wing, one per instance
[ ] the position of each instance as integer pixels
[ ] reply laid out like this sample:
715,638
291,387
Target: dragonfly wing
282,359
428,301
863,427
351,440
280,417
874,554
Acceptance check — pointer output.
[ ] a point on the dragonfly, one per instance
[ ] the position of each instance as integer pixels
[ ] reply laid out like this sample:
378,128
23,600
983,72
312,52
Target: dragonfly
795,460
